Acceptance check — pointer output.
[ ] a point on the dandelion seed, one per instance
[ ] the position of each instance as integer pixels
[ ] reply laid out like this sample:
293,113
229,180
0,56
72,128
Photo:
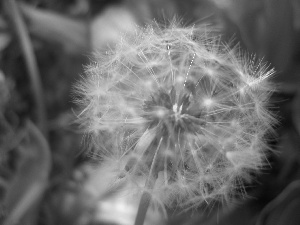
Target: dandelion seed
190,116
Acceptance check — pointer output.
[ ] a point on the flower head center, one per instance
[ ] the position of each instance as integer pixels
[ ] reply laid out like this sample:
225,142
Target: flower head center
169,111
177,111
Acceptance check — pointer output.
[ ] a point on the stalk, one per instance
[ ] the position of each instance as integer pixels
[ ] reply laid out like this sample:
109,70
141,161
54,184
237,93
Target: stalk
145,202
30,61
147,195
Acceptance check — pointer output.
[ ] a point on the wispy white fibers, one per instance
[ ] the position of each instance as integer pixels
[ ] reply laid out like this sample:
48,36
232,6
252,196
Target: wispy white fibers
177,104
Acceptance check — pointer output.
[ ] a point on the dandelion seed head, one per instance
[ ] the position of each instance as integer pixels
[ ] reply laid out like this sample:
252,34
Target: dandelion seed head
190,110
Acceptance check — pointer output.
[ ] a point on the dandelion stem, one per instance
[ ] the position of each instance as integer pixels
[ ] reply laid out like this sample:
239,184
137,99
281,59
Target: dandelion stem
145,202
149,185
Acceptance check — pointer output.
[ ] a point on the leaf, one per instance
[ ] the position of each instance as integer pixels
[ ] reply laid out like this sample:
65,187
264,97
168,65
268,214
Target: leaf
284,209
266,27
5,37
107,27
30,180
50,26
296,112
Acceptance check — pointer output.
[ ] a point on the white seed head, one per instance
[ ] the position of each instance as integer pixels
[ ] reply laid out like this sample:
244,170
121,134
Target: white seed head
182,107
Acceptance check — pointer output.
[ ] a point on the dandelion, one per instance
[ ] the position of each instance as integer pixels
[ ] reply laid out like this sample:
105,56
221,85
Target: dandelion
186,114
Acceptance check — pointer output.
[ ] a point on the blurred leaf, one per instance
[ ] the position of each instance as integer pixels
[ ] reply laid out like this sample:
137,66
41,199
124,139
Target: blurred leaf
12,10
284,209
244,15
107,27
5,37
296,8
4,92
70,33
296,112
71,207
222,215
79,7
278,33
266,27
28,184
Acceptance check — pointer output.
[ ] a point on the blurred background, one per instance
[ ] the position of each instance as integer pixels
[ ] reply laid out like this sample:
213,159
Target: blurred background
45,176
